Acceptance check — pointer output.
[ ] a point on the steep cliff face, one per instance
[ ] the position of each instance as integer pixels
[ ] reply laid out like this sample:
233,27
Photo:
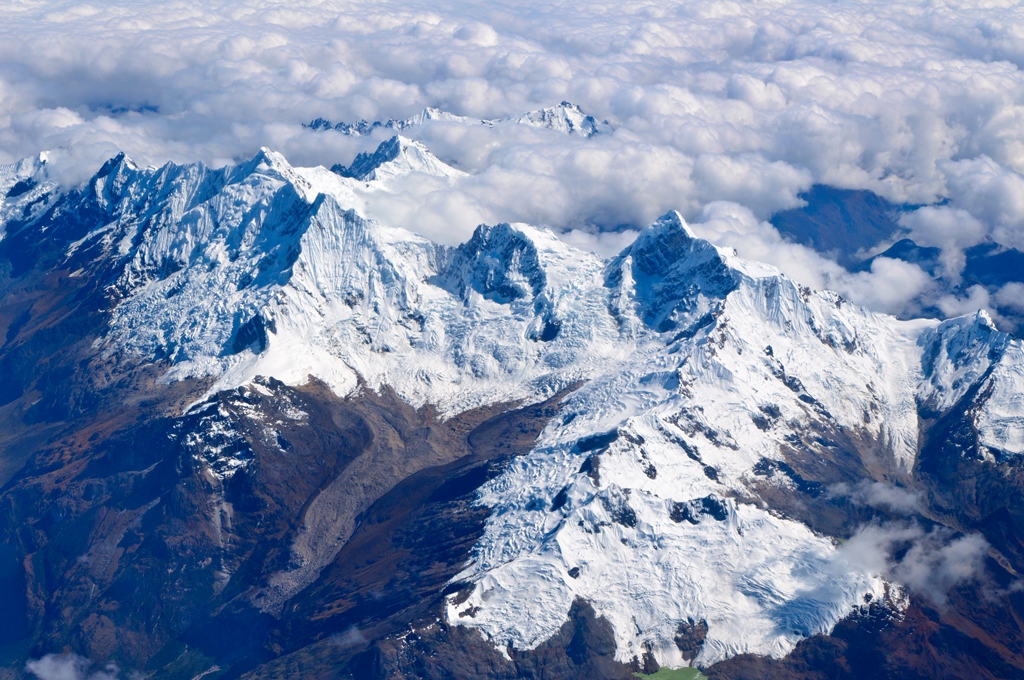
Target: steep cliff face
233,404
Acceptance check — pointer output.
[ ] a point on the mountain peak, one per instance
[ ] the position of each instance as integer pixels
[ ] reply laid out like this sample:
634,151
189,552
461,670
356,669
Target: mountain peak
672,273
499,262
430,113
566,117
395,157
269,158
115,163
983,318
667,244
265,162
111,179
365,164
957,354
670,222
18,178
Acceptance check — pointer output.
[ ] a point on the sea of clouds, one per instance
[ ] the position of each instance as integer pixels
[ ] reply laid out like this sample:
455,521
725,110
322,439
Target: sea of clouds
723,110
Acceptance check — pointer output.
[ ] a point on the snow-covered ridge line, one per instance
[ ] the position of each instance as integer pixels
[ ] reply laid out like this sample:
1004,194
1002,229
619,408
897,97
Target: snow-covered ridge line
566,117
701,371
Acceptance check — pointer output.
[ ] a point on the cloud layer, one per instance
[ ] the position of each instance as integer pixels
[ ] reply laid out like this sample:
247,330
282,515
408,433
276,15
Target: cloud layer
929,563
712,101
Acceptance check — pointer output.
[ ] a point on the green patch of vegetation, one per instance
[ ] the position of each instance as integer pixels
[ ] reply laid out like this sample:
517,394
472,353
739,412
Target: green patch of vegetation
673,674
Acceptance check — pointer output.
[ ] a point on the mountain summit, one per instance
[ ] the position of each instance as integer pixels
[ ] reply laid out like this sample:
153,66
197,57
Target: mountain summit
396,157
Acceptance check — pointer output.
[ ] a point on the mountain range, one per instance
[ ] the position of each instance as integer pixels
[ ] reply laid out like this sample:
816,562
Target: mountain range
567,117
250,432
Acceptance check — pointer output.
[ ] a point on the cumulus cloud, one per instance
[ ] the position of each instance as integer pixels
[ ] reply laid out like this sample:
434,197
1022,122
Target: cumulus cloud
1011,296
974,298
69,667
879,495
892,286
603,244
991,193
735,226
711,101
951,229
928,563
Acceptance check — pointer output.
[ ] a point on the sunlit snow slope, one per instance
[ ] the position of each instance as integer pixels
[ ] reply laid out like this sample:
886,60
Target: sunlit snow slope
698,374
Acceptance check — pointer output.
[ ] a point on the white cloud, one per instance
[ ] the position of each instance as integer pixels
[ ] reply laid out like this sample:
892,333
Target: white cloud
929,563
350,638
763,186
892,286
935,565
951,229
976,298
990,192
69,667
1012,296
880,495
735,226
604,244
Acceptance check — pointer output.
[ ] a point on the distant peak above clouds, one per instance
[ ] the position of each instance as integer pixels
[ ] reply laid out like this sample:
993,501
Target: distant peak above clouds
395,157
566,117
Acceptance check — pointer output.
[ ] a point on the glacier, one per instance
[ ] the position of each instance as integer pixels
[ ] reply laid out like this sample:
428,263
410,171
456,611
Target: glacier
694,371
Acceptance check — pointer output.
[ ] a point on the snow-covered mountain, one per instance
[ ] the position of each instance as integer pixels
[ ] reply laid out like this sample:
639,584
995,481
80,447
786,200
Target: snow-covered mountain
397,157
566,117
25,187
699,378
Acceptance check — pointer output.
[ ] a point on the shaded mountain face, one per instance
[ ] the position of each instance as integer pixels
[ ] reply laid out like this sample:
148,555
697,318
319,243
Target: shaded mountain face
248,432
840,223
